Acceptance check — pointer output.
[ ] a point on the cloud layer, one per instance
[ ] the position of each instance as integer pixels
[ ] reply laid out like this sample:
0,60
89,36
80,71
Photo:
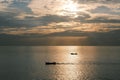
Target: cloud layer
28,17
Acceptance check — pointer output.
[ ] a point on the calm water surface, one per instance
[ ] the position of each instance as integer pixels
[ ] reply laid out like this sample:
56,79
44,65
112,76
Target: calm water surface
28,63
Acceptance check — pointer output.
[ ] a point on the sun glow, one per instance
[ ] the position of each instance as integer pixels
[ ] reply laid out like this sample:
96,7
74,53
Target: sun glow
69,8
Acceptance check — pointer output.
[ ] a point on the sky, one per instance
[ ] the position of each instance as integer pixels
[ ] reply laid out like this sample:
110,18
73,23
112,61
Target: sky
91,19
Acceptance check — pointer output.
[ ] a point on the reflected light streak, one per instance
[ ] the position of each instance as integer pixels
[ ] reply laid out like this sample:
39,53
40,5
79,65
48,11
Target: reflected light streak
73,58
71,71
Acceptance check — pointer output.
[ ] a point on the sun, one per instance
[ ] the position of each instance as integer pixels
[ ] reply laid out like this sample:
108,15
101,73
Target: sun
69,8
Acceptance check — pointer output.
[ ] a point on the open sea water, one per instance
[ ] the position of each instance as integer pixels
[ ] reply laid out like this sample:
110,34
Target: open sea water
90,63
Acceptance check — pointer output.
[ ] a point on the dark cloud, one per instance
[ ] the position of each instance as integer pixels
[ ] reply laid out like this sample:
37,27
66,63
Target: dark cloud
98,1
20,5
68,33
86,18
82,17
69,38
105,10
105,38
8,19
53,18
94,38
114,27
102,20
101,9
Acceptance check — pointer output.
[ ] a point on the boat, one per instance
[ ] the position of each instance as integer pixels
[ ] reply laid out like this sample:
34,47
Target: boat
50,63
73,53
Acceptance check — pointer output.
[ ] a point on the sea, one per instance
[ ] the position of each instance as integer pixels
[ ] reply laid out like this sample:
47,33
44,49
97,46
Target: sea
88,63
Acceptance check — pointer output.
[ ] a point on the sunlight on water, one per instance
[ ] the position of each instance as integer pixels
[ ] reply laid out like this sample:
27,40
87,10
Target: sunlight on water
72,49
72,58
70,68
90,63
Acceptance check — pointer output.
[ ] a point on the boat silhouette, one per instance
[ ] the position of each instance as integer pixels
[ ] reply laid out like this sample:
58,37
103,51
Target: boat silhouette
73,53
50,63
